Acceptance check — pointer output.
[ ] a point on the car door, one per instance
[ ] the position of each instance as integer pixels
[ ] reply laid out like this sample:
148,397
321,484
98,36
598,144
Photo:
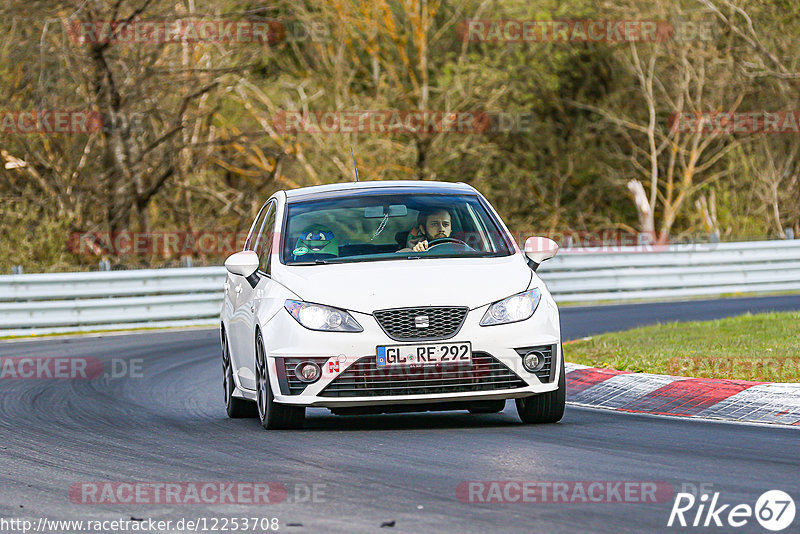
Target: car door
235,287
245,354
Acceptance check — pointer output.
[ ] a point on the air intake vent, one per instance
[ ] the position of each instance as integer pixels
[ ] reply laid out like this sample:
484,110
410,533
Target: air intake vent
365,379
421,324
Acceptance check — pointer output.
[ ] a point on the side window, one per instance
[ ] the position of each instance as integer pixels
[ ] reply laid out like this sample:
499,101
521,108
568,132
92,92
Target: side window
478,235
250,243
264,245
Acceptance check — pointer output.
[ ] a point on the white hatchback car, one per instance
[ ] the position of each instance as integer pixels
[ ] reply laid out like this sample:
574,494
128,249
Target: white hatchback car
391,296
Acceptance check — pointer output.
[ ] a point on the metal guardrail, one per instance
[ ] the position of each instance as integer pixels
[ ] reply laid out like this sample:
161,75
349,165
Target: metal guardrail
70,302
677,271
67,302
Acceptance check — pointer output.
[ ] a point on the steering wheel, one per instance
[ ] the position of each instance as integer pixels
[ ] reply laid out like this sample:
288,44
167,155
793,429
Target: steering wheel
445,241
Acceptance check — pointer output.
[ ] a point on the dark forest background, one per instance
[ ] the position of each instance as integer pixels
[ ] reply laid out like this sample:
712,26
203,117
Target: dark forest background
195,146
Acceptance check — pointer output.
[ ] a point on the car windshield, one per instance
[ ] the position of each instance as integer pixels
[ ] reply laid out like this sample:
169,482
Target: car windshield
388,226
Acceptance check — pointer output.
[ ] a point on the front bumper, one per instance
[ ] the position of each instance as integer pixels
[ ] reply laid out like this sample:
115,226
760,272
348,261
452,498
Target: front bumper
338,352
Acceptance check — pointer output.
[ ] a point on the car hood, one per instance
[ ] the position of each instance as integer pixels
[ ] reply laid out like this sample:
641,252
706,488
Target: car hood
374,285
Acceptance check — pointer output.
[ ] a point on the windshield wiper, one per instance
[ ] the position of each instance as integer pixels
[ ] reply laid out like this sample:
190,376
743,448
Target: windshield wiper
315,262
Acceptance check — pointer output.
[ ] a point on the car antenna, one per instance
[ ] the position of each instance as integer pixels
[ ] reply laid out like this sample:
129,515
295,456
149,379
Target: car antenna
354,162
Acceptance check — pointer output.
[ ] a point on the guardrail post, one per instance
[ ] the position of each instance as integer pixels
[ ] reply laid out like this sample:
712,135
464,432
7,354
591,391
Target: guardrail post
789,233
16,269
105,265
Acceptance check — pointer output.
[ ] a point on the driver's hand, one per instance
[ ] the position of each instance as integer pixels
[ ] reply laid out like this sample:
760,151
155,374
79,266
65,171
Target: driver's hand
421,246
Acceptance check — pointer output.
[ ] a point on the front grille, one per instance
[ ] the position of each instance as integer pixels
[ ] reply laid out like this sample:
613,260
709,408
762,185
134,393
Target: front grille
545,374
290,384
401,324
365,379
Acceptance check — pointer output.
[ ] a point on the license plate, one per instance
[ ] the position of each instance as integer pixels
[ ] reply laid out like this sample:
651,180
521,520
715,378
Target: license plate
430,354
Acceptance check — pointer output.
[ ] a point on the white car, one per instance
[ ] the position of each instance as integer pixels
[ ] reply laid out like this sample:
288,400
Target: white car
390,296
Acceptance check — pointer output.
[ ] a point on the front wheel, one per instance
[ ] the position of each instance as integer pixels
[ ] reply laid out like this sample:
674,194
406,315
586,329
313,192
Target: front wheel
273,416
546,407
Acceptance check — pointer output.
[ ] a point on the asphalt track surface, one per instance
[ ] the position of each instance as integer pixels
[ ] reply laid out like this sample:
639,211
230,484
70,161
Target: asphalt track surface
402,470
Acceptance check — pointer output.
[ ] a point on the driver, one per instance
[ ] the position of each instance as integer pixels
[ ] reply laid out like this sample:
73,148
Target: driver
431,224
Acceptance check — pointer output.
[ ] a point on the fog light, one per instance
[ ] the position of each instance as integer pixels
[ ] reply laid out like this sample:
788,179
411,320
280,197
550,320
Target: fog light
307,371
533,361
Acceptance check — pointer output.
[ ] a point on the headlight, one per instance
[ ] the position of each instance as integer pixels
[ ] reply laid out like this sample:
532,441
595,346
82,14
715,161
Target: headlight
515,308
319,317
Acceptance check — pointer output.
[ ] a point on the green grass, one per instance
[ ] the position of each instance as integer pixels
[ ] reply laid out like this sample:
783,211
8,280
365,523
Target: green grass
762,347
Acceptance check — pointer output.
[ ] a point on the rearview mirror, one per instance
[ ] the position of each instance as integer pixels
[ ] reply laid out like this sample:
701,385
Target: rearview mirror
378,212
539,249
242,263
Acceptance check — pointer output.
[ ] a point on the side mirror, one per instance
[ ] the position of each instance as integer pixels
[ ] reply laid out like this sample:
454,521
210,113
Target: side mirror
539,249
243,263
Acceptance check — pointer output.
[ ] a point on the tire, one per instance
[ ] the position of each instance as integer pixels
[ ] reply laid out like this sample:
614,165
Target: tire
273,416
235,407
546,407
495,406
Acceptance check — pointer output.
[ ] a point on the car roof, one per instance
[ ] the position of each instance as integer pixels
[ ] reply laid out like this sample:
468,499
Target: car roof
376,185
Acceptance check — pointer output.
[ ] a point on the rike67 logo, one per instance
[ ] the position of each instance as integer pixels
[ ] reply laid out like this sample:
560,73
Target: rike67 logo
774,510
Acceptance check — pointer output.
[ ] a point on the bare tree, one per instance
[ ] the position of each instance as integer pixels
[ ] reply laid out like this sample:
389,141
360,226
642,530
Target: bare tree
670,163
774,164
